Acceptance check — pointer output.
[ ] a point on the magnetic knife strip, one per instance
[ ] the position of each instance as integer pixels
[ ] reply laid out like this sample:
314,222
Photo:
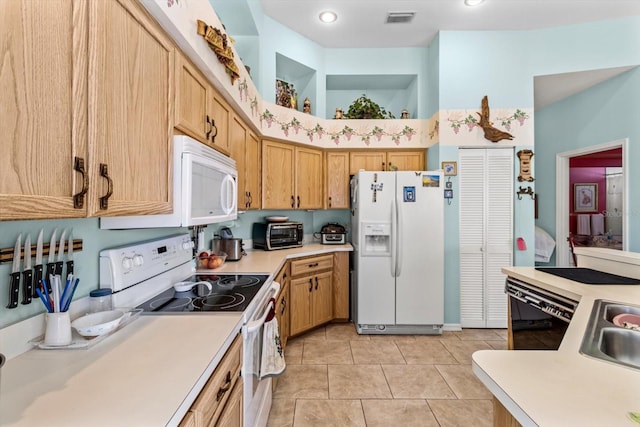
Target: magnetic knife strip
6,254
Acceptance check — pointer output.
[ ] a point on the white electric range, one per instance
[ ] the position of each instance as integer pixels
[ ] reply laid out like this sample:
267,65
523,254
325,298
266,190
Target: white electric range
159,276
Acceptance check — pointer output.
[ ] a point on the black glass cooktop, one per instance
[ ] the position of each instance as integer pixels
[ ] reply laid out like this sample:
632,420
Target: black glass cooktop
589,276
225,292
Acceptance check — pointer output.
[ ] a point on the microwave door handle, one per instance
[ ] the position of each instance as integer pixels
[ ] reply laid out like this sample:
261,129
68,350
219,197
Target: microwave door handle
228,187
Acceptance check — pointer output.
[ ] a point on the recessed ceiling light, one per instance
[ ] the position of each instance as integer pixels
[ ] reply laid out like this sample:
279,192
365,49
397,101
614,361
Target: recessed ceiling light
472,2
328,16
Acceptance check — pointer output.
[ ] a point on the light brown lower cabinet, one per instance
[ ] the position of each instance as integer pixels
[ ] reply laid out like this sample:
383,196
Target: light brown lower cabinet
231,415
341,286
502,417
220,401
310,292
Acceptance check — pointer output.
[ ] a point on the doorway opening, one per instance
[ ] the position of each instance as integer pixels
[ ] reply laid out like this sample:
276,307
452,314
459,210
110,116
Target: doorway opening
591,196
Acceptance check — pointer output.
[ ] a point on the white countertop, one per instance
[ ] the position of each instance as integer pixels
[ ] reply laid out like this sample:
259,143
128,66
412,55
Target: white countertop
564,387
146,374
269,262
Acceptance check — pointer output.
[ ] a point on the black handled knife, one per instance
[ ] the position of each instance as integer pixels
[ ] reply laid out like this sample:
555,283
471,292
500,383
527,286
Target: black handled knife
70,255
14,287
27,273
38,269
59,262
51,265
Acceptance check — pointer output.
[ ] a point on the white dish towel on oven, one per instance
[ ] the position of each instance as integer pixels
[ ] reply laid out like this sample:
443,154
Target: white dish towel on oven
272,360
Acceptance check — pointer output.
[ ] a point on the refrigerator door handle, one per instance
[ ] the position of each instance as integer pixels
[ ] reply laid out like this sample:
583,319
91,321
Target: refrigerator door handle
398,239
394,231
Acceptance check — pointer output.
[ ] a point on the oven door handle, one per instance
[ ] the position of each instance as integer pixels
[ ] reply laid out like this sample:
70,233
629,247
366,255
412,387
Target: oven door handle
257,324
254,325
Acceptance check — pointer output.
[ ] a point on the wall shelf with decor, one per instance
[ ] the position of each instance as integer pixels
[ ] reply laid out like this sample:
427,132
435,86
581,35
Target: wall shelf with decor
393,92
293,76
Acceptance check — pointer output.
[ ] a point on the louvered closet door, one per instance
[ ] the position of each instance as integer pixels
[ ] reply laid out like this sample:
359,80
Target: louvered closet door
486,235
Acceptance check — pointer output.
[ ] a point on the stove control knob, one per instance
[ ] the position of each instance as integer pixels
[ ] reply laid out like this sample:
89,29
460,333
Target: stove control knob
138,260
187,245
127,263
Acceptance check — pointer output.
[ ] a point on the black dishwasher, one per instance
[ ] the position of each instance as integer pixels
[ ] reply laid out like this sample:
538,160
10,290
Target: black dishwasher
539,318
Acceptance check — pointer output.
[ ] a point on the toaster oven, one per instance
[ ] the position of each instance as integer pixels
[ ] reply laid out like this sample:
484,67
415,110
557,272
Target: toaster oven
282,235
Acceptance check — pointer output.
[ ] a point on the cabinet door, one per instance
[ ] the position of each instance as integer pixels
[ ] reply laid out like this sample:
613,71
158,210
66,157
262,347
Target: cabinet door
322,298
277,175
43,47
231,415
341,285
300,317
131,100
406,160
282,313
191,99
337,180
237,148
252,172
308,178
367,160
221,114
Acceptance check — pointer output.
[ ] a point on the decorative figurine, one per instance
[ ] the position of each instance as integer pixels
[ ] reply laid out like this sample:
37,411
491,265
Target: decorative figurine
491,133
339,114
306,106
404,114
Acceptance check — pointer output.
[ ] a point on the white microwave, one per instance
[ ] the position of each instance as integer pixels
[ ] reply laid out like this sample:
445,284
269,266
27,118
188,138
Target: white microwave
205,184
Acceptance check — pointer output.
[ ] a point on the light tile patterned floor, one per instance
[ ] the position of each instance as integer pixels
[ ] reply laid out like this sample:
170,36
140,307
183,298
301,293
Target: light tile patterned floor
337,378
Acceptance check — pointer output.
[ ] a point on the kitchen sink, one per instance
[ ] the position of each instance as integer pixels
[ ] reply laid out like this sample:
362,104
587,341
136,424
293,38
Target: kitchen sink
605,341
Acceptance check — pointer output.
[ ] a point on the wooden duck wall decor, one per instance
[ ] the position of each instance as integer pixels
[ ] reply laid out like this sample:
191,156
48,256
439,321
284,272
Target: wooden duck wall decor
490,133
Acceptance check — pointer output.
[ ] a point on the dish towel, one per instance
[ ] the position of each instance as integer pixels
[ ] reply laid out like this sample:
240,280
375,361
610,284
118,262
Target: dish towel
584,224
272,360
597,224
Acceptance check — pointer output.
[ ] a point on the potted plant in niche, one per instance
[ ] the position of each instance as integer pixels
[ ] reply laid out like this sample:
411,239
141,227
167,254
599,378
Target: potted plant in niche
365,108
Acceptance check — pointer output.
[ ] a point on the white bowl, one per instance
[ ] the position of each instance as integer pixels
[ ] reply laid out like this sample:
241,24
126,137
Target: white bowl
100,323
276,218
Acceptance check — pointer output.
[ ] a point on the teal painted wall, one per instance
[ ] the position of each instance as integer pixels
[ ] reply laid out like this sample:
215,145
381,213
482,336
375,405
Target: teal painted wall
431,63
86,262
606,112
454,73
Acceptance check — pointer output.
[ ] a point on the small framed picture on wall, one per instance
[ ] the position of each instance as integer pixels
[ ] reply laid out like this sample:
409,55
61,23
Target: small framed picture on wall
450,168
585,197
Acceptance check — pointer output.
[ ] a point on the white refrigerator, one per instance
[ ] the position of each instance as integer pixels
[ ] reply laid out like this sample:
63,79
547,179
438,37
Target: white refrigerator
397,233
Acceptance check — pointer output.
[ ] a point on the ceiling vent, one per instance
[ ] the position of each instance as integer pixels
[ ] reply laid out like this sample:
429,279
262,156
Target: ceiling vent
400,17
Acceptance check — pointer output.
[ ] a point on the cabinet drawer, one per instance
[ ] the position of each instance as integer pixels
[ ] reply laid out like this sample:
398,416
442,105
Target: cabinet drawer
311,265
216,391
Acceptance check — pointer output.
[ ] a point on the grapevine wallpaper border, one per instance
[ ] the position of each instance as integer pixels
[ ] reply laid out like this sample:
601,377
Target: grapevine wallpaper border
344,134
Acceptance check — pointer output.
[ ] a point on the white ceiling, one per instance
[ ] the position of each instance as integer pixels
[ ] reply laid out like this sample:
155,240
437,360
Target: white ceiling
361,24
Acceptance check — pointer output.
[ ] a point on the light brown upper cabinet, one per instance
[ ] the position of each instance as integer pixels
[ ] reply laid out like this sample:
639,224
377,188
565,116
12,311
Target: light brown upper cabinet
43,82
87,110
130,111
253,175
200,110
336,180
291,176
371,160
244,147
